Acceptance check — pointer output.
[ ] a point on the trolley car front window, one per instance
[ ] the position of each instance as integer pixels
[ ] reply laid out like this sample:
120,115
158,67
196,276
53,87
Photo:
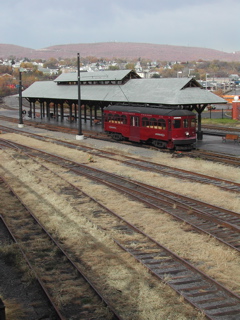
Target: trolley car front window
177,124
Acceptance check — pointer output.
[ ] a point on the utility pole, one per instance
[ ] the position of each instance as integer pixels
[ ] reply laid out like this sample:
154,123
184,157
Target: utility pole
79,136
20,124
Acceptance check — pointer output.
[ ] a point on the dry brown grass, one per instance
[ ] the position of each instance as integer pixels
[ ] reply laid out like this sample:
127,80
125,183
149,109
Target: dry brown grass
206,193
214,258
196,165
201,166
114,270
70,220
13,309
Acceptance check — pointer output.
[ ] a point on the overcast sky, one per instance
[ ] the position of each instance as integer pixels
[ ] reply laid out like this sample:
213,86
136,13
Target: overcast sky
38,24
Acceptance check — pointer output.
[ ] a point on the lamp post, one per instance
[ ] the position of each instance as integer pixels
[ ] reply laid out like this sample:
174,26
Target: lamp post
79,136
20,124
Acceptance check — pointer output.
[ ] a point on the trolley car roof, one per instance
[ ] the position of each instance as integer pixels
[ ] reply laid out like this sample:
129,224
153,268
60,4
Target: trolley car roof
95,88
153,111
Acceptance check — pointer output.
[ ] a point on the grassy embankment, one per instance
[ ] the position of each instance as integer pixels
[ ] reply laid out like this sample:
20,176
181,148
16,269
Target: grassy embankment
223,122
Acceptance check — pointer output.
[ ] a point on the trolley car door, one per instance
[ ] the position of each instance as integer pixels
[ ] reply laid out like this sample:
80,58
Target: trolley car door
134,128
169,129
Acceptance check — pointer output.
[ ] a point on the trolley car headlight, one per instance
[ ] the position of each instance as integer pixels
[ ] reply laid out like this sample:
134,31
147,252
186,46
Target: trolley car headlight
187,133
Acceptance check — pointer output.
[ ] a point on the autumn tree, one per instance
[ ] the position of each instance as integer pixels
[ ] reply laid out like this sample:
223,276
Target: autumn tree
51,63
113,68
130,66
5,69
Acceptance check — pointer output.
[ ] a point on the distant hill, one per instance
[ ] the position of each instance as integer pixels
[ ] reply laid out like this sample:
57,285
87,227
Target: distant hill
128,50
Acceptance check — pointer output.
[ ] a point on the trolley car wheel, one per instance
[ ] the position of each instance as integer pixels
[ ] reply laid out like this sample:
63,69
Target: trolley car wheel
117,136
159,144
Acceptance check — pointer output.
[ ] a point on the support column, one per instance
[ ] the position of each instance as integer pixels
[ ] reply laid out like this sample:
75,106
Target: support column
90,115
85,113
56,115
41,110
102,116
30,111
43,113
75,111
199,128
34,109
54,110
70,112
48,110
62,111
199,109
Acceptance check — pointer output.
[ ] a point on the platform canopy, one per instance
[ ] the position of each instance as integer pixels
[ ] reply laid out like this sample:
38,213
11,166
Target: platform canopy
123,86
99,89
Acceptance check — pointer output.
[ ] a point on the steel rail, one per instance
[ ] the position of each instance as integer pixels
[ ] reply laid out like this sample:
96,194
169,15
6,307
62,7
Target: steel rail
31,267
221,158
147,165
80,272
202,286
220,128
154,200
143,197
174,283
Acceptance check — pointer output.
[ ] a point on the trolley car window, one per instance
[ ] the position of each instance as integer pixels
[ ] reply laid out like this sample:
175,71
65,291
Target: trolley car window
177,123
108,117
185,123
116,118
153,123
123,119
161,124
134,121
193,123
145,122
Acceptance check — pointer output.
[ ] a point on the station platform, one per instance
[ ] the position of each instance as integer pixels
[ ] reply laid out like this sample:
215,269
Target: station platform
216,144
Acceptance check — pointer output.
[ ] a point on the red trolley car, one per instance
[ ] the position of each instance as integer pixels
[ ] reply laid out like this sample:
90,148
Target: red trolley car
162,127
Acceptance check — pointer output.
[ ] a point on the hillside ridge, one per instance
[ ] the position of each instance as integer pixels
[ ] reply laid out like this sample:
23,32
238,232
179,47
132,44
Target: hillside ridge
124,50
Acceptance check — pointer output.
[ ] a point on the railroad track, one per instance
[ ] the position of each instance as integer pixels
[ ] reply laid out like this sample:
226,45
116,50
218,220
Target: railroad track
55,271
200,215
45,305
199,154
220,129
216,157
214,300
28,292
139,163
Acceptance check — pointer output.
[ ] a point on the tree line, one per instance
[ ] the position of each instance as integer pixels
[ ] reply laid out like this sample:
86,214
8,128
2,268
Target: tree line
9,76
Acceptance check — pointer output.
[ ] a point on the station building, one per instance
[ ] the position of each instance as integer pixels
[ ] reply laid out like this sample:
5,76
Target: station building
96,90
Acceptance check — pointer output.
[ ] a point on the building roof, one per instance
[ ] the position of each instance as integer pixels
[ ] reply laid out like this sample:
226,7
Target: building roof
166,91
98,76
